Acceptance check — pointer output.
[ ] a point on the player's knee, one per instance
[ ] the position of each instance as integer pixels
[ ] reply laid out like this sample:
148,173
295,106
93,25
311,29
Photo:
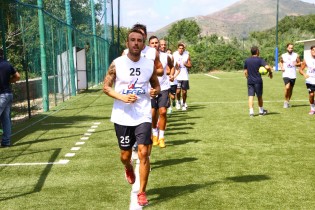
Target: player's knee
162,111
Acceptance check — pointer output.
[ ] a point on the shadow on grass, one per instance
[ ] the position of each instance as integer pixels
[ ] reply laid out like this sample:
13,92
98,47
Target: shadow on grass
181,142
195,107
299,105
37,187
170,162
167,193
248,178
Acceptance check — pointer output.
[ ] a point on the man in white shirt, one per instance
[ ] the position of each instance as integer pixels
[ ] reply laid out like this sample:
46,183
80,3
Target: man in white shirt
288,63
132,75
183,63
309,76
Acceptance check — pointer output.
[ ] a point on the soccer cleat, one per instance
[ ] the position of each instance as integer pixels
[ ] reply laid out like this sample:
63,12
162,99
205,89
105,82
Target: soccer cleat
178,106
185,105
169,110
263,113
130,175
142,199
162,142
311,112
184,108
251,115
155,140
286,105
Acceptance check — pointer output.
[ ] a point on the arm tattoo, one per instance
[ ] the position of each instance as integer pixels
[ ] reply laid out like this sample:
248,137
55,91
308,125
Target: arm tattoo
109,78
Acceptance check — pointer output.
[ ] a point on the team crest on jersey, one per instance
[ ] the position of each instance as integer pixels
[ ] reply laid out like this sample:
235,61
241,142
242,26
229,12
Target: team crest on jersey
133,89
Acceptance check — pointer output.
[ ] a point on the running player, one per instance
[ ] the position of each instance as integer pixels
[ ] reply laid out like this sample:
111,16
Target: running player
161,102
288,63
131,114
182,61
309,76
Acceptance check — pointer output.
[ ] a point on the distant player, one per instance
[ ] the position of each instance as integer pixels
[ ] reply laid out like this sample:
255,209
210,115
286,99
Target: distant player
183,63
131,114
288,63
254,80
309,76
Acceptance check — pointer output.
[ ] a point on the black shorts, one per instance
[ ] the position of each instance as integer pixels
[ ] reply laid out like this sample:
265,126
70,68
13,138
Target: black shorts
162,100
173,89
128,135
183,84
255,89
287,80
310,88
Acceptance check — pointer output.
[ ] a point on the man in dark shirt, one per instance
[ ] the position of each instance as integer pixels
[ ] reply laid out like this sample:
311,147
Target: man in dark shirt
8,75
254,80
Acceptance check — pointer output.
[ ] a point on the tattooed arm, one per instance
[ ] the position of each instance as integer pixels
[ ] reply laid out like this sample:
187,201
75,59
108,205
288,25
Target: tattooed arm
108,84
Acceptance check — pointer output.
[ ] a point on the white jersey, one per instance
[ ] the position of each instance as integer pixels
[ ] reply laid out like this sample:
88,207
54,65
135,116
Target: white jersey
132,78
147,52
289,61
164,80
310,63
181,59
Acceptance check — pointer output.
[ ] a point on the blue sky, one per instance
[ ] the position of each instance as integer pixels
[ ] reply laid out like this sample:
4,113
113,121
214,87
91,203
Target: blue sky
156,14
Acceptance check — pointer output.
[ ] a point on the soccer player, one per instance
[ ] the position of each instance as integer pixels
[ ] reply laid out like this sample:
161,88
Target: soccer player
149,53
309,76
131,114
288,63
182,62
161,102
254,80
173,75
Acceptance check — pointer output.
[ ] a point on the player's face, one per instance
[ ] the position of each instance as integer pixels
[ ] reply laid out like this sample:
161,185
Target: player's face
181,50
135,43
162,46
290,49
154,43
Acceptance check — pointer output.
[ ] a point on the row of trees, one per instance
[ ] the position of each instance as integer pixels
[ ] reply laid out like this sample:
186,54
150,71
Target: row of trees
216,53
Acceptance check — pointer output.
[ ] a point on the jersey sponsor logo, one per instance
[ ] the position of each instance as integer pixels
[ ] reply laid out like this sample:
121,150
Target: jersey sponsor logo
133,89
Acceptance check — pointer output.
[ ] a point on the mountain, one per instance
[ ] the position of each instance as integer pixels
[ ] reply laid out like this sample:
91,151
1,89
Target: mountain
245,16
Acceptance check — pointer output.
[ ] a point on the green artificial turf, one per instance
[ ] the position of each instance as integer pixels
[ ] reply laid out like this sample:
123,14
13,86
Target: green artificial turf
217,157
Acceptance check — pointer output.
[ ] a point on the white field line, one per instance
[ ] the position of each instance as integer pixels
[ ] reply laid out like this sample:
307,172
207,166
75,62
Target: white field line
240,102
135,189
208,75
60,162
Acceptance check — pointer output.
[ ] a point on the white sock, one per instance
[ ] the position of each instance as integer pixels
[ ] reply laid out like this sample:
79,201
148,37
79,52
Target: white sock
155,132
178,101
161,134
261,109
313,107
251,111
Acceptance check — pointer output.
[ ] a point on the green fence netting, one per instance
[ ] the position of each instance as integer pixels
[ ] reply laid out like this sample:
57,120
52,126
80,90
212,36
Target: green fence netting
21,40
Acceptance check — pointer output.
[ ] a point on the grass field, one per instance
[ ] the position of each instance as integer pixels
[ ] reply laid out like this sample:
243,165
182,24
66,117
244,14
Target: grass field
217,157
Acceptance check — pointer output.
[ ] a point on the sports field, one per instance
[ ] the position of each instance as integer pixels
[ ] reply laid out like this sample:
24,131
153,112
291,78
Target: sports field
217,157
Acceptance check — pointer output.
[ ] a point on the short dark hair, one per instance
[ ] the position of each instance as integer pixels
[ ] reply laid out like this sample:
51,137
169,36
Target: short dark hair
140,26
312,47
133,30
289,44
254,50
153,37
181,44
